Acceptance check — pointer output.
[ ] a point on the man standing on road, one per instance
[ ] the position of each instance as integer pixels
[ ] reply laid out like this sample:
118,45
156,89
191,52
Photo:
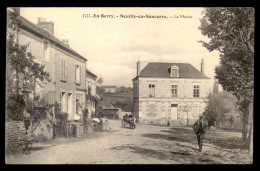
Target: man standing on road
199,128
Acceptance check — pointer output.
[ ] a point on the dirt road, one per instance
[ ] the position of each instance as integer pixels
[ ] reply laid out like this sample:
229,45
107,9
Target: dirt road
147,144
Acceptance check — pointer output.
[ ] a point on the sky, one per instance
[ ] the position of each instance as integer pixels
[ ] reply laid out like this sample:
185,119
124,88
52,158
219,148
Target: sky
112,46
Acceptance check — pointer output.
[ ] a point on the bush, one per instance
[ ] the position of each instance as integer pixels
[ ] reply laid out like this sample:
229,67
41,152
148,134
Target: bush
40,138
15,107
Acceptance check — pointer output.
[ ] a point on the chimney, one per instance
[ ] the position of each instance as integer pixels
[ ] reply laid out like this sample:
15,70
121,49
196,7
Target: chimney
49,26
202,66
66,42
138,68
39,20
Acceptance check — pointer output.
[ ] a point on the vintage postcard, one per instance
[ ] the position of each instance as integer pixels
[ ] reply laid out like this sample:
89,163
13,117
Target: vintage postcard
129,85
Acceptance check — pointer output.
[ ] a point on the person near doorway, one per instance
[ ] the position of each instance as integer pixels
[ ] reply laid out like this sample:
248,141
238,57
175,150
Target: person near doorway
199,128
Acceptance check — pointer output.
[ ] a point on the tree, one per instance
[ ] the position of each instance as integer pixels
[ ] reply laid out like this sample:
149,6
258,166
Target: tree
21,69
186,108
231,32
216,109
100,80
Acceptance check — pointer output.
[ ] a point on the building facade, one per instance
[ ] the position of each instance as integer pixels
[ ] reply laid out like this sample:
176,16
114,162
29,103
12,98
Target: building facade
174,92
91,84
65,66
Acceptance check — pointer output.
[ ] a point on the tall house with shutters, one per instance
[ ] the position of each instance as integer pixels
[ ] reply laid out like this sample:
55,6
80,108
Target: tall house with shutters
65,66
174,92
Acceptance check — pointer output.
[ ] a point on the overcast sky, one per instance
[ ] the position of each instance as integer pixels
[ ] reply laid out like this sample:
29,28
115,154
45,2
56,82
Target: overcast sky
114,45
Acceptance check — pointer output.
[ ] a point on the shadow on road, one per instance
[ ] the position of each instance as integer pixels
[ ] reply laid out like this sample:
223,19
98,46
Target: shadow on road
221,139
175,156
37,148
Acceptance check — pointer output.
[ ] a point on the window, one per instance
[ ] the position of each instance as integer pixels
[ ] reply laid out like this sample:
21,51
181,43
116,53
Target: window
63,102
151,90
174,71
196,91
174,91
63,69
46,51
77,73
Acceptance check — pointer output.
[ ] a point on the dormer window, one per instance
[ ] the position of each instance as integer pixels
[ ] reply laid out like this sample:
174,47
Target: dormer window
174,71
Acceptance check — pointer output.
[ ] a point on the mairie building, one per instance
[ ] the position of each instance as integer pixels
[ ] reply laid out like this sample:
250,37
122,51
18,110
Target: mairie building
169,92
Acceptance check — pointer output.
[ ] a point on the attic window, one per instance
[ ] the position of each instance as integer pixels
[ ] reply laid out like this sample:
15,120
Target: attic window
174,71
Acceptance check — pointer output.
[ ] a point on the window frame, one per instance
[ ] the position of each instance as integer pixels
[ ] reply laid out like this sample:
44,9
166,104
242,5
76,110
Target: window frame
175,68
196,91
151,90
174,88
48,53
77,74
63,70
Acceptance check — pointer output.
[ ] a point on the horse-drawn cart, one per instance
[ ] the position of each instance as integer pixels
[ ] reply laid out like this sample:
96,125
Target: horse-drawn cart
128,121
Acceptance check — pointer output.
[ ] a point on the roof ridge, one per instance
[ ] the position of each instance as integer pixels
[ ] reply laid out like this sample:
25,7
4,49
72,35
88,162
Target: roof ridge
47,35
157,69
170,62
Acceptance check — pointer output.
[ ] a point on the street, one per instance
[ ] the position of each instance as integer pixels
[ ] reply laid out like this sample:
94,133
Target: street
147,144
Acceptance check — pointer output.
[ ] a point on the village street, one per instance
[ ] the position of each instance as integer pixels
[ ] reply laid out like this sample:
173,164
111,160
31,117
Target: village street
147,144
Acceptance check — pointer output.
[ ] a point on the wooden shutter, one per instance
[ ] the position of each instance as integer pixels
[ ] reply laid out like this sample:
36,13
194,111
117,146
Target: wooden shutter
75,73
65,72
79,74
60,68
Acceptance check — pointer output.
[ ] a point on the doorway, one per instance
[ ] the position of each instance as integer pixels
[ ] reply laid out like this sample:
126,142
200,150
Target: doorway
70,103
174,111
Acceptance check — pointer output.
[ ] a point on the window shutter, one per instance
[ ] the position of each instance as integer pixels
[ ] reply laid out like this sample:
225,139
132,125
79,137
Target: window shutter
60,63
79,74
75,73
66,72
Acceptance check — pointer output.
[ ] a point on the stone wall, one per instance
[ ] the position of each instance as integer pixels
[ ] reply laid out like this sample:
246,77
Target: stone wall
15,133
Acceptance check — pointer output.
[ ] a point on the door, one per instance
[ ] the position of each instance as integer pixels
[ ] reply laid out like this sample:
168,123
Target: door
174,111
70,103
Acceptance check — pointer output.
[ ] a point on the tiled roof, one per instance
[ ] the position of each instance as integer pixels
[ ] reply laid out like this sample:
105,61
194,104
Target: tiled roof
108,86
104,103
161,70
89,72
36,30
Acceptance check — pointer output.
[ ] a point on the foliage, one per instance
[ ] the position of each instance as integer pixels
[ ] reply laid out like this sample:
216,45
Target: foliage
85,115
90,97
100,90
61,117
15,107
18,58
124,89
100,80
231,32
218,107
231,120
126,105
20,61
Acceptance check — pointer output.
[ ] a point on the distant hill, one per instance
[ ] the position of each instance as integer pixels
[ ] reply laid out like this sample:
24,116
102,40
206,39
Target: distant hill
120,100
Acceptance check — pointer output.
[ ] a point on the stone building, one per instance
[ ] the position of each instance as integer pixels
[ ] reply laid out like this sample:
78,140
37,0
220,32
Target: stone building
65,66
174,92
91,84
